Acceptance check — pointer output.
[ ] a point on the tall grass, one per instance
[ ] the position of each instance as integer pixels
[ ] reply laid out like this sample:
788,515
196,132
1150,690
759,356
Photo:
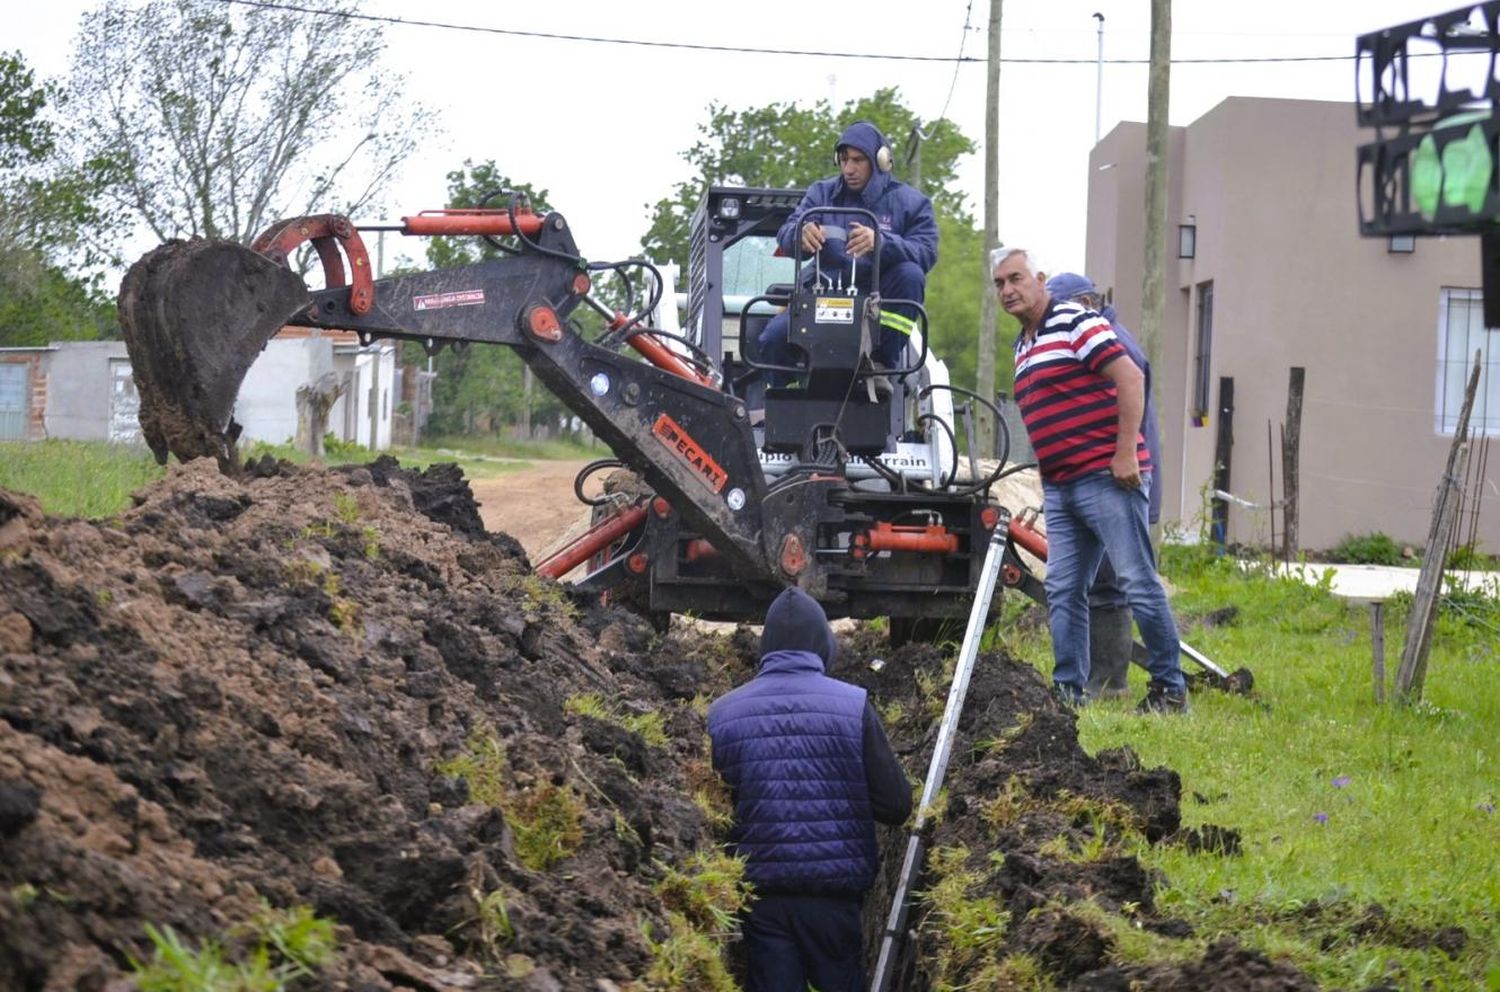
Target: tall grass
1342,803
77,478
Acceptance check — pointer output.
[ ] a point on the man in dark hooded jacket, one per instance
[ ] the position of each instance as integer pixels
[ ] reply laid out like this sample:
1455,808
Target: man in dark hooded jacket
908,243
810,771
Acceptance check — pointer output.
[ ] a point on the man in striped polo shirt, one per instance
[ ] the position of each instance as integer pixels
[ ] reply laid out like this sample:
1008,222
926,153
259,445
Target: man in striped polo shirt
1083,407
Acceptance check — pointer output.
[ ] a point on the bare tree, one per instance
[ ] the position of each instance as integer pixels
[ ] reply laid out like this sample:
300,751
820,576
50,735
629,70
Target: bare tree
230,116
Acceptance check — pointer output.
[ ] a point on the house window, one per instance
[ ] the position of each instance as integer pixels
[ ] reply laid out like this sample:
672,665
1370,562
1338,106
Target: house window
1461,332
1203,345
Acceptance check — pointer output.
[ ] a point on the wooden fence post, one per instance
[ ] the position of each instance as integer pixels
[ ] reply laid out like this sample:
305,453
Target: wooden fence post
1413,671
1290,440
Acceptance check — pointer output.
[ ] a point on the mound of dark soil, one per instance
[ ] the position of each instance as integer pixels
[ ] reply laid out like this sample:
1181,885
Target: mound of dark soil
1033,825
265,690
247,691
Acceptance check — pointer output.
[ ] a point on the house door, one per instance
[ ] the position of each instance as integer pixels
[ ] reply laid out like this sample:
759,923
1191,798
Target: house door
124,404
13,402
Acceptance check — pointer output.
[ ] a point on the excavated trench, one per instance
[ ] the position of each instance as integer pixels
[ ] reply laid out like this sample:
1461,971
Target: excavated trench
333,689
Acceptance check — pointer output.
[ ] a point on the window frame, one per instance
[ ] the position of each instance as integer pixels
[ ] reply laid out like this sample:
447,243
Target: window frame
1484,419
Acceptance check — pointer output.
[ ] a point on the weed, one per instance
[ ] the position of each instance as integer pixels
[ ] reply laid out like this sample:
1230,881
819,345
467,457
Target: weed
649,726
1368,549
346,508
482,767
371,542
1468,558
492,913
686,961
624,832
304,941
336,449
540,594
548,824
934,689
282,945
709,793
547,819
343,611
961,927
1000,741
1014,973
1007,806
892,713
710,895
103,597
24,895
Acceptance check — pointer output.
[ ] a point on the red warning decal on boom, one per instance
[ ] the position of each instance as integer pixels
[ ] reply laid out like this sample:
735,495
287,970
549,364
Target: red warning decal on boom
670,433
441,301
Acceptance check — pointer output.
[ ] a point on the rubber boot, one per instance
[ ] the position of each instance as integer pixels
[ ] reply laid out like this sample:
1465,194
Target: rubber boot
1109,651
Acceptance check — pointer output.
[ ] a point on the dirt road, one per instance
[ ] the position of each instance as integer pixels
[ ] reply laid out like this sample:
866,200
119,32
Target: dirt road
534,505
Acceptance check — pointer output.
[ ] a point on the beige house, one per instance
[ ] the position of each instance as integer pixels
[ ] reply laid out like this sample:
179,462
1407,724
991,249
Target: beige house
1267,271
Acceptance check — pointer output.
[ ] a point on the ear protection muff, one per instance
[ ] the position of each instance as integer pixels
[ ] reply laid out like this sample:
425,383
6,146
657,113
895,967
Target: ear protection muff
882,154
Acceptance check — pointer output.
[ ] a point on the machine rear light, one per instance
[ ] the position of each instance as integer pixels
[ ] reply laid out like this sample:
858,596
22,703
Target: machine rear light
989,516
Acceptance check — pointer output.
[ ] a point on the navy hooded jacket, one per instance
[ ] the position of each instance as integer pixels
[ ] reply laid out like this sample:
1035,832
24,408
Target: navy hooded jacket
807,763
908,230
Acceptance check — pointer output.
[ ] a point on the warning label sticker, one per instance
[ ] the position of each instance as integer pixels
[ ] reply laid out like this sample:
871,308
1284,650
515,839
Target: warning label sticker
835,310
441,301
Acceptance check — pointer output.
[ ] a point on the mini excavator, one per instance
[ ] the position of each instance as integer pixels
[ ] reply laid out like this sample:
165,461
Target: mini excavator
852,493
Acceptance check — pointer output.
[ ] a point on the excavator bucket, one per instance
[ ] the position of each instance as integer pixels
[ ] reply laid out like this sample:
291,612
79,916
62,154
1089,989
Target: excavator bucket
195,315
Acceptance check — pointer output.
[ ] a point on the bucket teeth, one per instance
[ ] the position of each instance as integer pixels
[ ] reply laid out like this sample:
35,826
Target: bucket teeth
195,315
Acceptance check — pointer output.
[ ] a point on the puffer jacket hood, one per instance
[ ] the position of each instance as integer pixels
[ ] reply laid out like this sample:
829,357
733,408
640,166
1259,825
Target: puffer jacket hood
796,622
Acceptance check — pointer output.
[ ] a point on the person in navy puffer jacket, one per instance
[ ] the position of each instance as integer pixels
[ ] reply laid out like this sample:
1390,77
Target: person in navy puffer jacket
810,771
908,243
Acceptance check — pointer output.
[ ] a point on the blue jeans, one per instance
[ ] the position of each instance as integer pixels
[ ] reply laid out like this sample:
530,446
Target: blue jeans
1085,518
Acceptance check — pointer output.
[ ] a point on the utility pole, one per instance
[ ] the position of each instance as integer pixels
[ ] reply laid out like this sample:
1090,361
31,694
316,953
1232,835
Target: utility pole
914,157
988,315
1099,78
1153,288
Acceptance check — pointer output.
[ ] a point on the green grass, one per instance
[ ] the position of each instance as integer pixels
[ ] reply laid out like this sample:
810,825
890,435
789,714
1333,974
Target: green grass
1339,800
474,465
95,479
77,478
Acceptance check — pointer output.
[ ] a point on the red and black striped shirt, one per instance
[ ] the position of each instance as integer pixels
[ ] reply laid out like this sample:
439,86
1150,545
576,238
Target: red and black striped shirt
1069,406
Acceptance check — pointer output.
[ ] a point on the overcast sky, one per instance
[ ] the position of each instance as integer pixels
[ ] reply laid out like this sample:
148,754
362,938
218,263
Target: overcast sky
601,126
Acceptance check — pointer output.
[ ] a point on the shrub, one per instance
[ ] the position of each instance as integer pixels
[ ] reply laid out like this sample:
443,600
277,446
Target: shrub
1368,549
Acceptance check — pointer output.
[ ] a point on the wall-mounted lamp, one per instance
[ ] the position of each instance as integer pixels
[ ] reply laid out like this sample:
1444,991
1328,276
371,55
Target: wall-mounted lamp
1187,238
1402,244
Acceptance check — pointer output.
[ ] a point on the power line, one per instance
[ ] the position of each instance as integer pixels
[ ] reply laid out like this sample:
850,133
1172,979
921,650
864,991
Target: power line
962,41
743,50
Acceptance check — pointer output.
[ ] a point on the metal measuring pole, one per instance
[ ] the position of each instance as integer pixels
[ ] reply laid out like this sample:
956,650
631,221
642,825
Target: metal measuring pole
947,730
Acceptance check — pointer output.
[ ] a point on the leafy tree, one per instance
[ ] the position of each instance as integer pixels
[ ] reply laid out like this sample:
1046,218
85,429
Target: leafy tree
784,145
487,384
229,117
47,212
955,288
